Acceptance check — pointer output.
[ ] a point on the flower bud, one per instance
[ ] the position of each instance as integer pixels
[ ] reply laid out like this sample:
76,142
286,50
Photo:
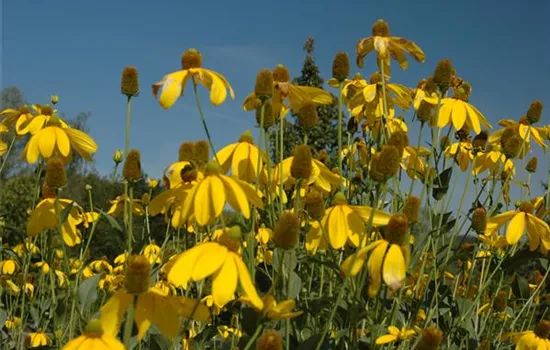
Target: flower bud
46,110
385,163
129,82
247,137
185,153
301,167
479,220
118,156
307,115
136,280
132,166
287,231
399,140
54,99
534,112
55,174
463,92
269,116
340,66
526,207
397,229
443,75
201,152
270,340
430,340
380,28
411,209
191,59
264,85
315,205
542,330
281,74
532,165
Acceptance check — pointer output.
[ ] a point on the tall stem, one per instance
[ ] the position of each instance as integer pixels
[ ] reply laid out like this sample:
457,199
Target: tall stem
203,120
340,116
7,154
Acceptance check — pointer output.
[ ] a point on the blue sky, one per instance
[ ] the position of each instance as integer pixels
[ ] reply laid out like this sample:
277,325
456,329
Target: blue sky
77,49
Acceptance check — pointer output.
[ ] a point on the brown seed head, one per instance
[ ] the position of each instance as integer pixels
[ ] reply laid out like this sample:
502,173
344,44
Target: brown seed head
185,153
340,66
201,152
425,112
322,156
287,231
399,140
269,116
463,134
526,207
375,78
315,205
132,166
264,85
47,192
247,137
352,126
501,301
129,82
479,220
24,109
270,340
444,72
512,146
480,140
430,86
397,229
542,330
431,339
307,115
380,28
534,112
47,110
301,167
385,164
507,134
484,345
411,209
191,59
55,173
281,74
188,173
532,165
136,280
463,92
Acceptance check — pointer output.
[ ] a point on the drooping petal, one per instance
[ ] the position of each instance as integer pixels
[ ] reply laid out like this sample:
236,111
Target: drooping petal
497,221
83,144
225,155
246,282
113,311
224,283
181,267
171,88
384,339
236,196
394,270
336,227
354,263
46,141
516,228
374,266
379,218
63,143
211,259
458,115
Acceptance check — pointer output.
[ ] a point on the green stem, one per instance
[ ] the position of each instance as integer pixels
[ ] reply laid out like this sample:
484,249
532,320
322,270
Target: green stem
340,117
254,337
332,313
203,120
7,154
130,313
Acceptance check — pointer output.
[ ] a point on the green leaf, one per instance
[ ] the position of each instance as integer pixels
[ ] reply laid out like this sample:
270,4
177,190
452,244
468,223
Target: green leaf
521,287
311,342
87,292
295,285
111,220
65,212
3,317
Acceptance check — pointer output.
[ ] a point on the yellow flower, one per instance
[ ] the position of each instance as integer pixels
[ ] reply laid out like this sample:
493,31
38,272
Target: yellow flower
219,261
387,47
395,335
170,202
44,216
321,176
297,96
264,235
12,323
532,339
226,332
459,113
343,222
43,266
279,311
461,152
94,338
17,117
117,206
172,86
522,220
491,160
3,147
152,252
524,130
207,198
101,265
242,158
152,306
493,242
9,266
413,162
37,339
52,137
28,246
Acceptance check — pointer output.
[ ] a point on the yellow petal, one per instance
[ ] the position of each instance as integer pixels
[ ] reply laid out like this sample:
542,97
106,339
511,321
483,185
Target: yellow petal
113,312
211,259
46,141
171,88
224,283
246,282
83,144
515,228
394,270
445,112
354,263
225,155
496,222
388,338
458,115
236,196
181,267
336,228
379,218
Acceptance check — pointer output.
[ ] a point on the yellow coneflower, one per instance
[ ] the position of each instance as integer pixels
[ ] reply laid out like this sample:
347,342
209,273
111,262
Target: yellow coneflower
220,260
9,266
217,188
172,86
153,253
12,323
94,338
523,129
321,176
522,220
152,306
391,265
461,152
387,47
532,339
18,117
395,334
117,206
37,339
414,163
242,158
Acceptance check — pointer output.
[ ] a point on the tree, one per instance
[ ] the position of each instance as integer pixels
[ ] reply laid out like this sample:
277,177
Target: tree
11,97
324,136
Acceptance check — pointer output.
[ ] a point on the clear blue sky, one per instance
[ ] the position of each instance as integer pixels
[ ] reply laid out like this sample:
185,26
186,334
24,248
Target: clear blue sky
77,49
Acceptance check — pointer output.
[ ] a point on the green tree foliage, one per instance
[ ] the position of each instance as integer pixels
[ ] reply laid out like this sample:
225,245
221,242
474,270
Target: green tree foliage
324,136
